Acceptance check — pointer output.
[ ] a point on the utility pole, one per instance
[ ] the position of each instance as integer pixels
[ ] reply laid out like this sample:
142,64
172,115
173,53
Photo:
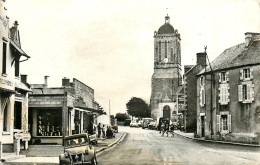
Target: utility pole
212,84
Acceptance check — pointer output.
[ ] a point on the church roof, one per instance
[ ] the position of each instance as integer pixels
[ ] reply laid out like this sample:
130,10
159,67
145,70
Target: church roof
166,29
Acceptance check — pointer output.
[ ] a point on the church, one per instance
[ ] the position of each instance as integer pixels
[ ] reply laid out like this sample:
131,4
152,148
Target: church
167,76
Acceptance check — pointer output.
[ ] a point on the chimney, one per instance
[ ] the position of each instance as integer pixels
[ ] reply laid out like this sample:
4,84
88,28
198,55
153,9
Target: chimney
65,82
24,78
250,37
46,81
201,59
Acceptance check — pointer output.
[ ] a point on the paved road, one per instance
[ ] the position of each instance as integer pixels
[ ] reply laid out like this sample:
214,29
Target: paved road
149,147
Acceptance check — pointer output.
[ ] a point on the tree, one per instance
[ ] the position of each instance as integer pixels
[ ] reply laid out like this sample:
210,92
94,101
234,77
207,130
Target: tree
138,107
121,116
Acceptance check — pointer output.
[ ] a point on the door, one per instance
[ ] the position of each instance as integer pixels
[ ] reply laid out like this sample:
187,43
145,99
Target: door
166,112
202,126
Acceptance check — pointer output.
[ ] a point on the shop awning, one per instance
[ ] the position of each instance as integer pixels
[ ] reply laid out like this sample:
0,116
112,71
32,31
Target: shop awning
22,86
17,48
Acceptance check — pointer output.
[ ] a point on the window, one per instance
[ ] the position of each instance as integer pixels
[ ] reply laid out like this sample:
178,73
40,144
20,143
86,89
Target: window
17,115
246,73
172,53
202,97
165,49
4,59
246,93
49,122
224,122
160,51
5,118
223,76
224,94
201,81
17,67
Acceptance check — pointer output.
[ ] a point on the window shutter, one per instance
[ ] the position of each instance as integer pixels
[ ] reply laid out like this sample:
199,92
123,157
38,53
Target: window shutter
228,94
219,74
240,96
200,97
220,95
251,73
224,95
248,86
227,76
229,123
241,74
252,92
218,123
203,97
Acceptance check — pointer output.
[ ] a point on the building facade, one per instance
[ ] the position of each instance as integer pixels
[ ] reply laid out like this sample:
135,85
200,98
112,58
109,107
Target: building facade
228,105
13,91
190,92
58,112
166,79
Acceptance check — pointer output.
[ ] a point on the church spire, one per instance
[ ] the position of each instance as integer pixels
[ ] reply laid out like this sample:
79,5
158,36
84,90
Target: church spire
167,19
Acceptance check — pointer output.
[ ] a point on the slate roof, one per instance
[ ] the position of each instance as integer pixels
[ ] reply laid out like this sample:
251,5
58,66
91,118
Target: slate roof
166,29
236,56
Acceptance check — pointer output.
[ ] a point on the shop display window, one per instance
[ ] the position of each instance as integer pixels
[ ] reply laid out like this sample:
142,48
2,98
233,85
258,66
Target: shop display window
49,122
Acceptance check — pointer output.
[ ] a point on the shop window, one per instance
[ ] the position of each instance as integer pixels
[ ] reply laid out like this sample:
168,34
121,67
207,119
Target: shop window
49,122
17,115
5,120
77,122
4,58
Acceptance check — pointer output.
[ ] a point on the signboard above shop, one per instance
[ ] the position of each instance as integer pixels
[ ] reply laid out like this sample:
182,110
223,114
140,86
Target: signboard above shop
6,83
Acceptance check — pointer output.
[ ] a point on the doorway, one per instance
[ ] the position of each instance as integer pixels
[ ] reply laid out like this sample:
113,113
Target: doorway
202,126
166,112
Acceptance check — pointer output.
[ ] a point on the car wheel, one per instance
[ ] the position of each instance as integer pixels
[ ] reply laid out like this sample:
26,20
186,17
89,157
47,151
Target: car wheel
94,161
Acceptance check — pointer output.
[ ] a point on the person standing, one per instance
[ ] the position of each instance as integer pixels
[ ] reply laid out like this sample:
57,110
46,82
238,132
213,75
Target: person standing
99,130
103,131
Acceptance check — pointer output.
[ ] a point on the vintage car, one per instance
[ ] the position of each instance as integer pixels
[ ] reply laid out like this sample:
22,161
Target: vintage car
133,124
78,150
152,125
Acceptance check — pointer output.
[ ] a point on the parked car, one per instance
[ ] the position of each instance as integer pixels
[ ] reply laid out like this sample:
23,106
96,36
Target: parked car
152,125
127,122
78,150
146,122
133,124
140,123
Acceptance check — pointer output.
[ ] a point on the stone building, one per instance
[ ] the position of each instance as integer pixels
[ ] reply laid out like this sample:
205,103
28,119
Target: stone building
166,79
190,92
13,91
62,111
228,107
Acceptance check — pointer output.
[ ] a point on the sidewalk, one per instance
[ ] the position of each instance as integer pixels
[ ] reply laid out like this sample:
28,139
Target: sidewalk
49,154
191,136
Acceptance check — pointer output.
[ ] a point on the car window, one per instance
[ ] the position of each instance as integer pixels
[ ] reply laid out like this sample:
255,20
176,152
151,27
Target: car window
76,141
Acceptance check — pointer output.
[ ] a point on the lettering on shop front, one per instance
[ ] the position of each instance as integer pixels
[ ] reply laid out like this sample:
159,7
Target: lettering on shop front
6,82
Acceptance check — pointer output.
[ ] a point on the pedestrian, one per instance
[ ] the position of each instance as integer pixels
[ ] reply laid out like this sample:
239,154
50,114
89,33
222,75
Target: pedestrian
103,131
99,130
172,130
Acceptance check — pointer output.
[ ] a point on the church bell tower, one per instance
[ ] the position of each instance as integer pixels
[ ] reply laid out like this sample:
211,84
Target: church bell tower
166,78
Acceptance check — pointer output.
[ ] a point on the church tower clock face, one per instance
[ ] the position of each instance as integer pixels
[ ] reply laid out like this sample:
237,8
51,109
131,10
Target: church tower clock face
167,77
165,60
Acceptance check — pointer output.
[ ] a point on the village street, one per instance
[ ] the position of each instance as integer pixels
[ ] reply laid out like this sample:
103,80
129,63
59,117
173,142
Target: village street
149,147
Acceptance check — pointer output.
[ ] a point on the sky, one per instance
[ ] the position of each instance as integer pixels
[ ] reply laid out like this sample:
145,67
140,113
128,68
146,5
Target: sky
108,44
